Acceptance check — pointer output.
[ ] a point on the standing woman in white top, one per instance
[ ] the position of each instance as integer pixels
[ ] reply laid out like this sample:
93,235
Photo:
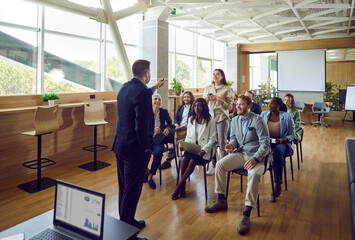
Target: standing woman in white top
201,130
219,97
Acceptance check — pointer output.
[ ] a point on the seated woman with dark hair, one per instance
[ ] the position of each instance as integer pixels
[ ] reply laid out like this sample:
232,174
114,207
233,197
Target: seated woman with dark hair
282,133
182,115
289,101
162,124
201,130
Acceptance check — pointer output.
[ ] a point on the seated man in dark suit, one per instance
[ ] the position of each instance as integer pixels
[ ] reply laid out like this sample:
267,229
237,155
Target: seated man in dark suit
256,108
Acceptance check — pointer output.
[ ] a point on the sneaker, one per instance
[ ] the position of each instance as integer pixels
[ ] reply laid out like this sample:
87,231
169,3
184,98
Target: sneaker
216,206
210,171
244,225
165,165
152,184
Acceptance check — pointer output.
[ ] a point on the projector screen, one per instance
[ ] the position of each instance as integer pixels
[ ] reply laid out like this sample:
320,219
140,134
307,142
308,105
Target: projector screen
350,98
302,70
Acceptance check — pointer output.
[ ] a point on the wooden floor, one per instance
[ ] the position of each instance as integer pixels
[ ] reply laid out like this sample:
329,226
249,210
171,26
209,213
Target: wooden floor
316,205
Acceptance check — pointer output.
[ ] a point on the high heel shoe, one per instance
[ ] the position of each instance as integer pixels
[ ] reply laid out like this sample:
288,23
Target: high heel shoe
175,195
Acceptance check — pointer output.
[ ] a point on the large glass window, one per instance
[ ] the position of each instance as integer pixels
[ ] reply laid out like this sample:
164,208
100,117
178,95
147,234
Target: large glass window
262,67
184,70
18,61
204,76
18,12
203,47
195,57
184,42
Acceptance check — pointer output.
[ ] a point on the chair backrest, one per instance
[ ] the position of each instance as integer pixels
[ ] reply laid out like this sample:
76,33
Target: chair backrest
300,106
94,111
45,120
319,105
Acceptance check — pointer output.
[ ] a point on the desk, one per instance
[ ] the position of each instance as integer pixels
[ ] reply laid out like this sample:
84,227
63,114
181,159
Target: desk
113,228
64,105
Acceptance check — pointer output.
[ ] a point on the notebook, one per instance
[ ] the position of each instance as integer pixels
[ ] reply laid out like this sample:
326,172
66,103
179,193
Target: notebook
78,213
190,147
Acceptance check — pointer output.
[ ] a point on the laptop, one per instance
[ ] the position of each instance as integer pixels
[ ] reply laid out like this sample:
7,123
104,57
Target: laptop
190,147
78,213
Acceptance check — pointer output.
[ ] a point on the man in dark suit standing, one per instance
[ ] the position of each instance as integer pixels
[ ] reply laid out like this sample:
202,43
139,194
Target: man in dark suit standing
134,131
255,108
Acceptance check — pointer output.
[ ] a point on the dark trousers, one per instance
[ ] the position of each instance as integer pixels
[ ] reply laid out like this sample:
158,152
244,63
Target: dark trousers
158,150
278,153
130,171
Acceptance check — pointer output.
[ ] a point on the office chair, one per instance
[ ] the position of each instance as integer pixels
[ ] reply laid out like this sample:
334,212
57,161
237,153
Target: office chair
94,115
242,172
320,108
300,106
167,149
212,157
45,122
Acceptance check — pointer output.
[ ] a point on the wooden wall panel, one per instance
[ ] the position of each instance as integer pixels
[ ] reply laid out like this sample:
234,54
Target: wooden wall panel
63,146
342,73
298,45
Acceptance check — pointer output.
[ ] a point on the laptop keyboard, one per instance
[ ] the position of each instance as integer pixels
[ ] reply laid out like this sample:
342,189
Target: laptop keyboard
50,235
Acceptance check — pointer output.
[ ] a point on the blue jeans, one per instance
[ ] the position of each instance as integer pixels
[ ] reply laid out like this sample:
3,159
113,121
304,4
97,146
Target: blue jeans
278,153
157,150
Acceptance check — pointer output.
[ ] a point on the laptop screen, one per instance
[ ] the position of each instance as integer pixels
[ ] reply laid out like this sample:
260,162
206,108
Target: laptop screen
79,209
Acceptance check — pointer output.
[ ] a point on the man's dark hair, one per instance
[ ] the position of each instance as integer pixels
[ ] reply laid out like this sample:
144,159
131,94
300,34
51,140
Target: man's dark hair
251,92
139,68
246,98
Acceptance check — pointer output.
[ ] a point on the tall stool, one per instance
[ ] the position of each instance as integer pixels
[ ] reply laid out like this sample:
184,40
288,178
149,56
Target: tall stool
94,115
45,122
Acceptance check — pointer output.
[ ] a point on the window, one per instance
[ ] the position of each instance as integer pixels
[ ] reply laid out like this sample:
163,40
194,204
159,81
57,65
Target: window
195,55
204,76
204,47
262,67
184,70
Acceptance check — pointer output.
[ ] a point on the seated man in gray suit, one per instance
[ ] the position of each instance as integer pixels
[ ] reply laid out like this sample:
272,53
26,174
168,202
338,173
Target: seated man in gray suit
249,147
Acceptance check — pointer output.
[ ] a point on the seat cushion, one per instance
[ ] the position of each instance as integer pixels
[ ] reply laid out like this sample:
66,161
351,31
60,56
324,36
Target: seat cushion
350,155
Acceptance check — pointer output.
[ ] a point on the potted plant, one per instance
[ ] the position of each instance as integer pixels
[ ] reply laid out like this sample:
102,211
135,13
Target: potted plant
177,87
50,97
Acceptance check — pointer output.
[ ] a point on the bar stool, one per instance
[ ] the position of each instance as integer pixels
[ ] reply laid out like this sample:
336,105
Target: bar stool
45,122
94,115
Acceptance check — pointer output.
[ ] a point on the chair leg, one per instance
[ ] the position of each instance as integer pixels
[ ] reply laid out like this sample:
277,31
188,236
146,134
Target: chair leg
298,157
285,175
228,177
258,206
204,175
160,173
39,162
178,172
241,183
301,151
272,184
291,167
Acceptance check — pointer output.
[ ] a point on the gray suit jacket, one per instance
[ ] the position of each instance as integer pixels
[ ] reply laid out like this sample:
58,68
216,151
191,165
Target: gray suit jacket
255,141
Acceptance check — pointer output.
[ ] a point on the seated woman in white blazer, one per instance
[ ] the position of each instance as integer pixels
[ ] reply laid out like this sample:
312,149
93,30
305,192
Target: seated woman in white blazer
201,130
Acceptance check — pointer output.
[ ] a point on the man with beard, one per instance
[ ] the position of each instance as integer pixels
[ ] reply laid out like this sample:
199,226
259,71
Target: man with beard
248,148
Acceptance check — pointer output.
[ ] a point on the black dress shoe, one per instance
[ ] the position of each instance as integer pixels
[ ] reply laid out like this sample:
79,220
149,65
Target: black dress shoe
145,178
152,184
139,224
171,156
139,238
165,165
